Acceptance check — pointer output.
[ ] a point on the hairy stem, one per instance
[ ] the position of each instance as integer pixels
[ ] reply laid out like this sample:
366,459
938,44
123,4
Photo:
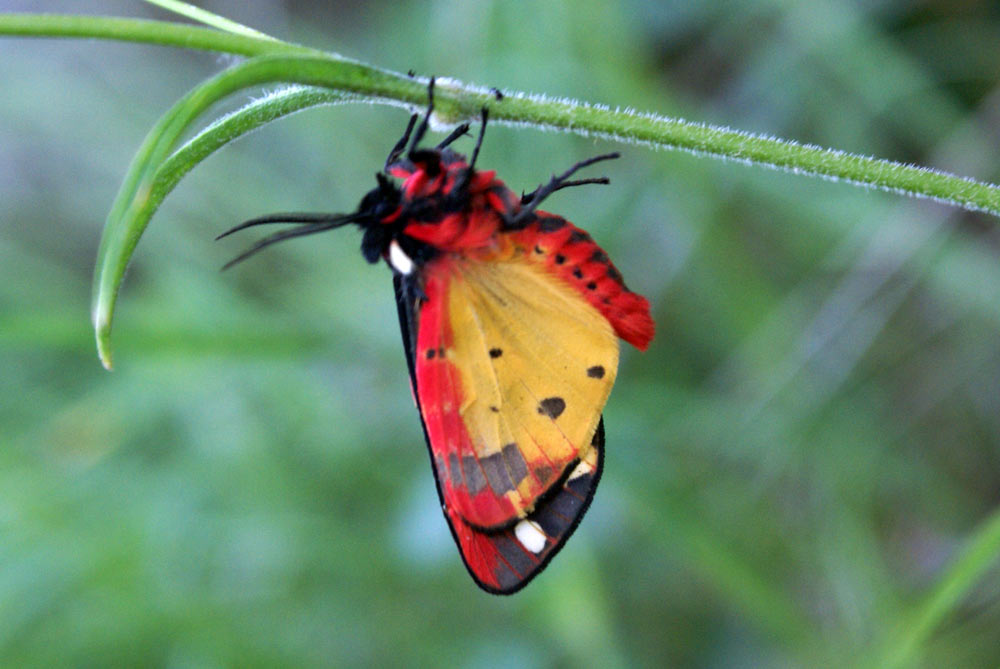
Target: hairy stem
541,112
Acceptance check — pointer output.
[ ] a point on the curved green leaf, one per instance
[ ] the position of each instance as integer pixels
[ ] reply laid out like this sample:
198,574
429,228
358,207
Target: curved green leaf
128,217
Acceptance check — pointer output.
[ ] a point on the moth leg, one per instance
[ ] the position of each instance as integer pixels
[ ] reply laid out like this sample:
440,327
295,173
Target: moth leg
422,128
455,134
484,113
397,149
459,192
531,201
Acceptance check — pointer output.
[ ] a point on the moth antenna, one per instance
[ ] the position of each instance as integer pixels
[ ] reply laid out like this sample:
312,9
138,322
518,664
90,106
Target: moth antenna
289,217
301,231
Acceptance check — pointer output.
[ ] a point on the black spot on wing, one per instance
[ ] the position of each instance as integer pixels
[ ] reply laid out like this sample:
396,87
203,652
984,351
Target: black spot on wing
551,224
560,259
552,407
496,352
595,372
430,353
578,273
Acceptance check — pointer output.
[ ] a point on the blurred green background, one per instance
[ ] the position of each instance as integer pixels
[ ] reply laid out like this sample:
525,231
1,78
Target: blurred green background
790,469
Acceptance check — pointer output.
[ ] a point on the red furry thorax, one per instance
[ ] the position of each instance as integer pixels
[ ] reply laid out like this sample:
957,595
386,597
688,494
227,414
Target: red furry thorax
476,227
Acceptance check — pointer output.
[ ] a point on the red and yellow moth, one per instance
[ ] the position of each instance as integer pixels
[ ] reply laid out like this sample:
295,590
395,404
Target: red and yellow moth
510,319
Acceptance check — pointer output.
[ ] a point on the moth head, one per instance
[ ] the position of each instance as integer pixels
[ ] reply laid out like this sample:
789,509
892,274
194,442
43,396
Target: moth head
380,214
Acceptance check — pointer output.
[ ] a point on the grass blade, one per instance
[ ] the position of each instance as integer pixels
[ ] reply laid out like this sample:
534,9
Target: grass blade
980,555
208,18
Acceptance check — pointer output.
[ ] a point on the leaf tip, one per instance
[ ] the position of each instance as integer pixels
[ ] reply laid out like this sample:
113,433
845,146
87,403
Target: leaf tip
104,352
102,333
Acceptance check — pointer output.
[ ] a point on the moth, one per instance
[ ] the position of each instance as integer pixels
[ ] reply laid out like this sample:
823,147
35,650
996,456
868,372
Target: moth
510,318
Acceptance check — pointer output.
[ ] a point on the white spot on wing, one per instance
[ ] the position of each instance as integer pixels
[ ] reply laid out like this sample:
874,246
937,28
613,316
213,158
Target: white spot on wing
530,535
582,469
399,260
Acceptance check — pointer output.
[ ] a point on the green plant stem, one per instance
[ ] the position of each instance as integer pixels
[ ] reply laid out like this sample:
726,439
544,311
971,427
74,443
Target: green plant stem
565,115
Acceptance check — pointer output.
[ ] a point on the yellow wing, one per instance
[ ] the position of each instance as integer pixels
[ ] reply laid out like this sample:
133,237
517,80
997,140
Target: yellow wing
530,365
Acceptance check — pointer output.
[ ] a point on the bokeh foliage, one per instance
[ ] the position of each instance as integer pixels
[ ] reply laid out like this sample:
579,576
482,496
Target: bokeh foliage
791,468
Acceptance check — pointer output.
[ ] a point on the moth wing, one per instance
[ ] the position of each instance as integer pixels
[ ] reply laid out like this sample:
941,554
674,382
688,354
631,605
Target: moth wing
512,369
